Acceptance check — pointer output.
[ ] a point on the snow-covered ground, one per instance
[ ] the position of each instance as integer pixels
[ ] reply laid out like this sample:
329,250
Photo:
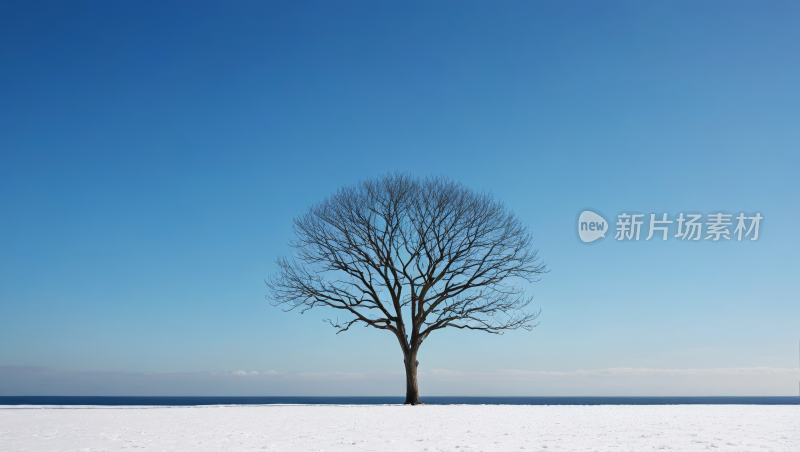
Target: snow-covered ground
404,428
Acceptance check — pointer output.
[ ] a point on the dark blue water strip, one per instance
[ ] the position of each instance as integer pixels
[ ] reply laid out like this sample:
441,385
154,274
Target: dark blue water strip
198,401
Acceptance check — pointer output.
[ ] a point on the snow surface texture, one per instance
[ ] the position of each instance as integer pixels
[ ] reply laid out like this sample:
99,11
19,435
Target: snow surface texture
404,428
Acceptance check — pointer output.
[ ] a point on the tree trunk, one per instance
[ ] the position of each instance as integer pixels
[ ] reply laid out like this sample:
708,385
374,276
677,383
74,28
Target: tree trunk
412,390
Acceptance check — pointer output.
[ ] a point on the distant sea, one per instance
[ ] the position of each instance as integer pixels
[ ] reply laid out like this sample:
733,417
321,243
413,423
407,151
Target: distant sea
199,401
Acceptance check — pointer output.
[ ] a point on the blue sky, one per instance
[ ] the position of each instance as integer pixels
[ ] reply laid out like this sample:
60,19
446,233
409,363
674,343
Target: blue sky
152,157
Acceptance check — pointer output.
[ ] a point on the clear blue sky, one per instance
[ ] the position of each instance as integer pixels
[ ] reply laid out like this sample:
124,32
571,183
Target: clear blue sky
153,154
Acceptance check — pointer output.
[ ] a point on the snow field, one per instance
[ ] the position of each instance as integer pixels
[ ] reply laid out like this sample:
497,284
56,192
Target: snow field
403,428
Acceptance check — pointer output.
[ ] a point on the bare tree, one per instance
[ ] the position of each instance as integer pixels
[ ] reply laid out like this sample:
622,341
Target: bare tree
410,256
